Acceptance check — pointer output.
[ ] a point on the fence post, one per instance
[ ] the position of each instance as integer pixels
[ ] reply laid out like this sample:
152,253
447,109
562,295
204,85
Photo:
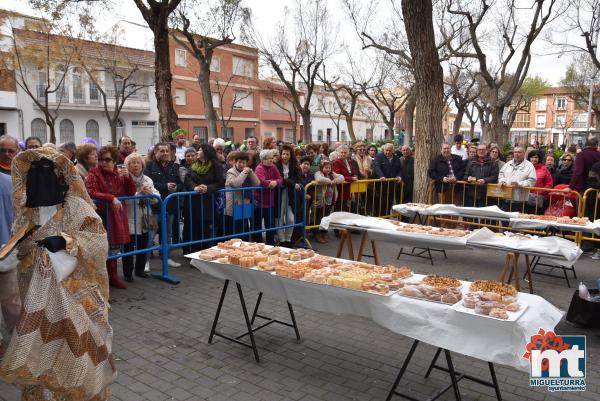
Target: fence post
164,244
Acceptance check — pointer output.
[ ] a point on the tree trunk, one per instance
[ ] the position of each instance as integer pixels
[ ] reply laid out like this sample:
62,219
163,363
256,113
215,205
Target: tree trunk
52,131
472,129
429,85
209,109
113,131
306,131
496,134
350,125
390,127
460,112
162,78
409,112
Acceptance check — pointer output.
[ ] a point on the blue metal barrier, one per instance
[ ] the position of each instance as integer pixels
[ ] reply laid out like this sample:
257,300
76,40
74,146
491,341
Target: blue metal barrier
245,218
136,215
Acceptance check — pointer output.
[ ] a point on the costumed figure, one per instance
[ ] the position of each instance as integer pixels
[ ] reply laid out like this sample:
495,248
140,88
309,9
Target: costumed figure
61,347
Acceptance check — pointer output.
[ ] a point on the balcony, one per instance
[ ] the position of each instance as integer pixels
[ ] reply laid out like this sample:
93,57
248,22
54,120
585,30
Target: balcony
141,94
79,95
580,124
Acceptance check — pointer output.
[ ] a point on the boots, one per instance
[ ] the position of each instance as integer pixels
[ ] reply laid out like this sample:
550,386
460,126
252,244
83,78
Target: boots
113,276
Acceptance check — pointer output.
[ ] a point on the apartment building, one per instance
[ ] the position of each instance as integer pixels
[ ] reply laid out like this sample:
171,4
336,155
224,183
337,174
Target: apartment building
75,96
329,124
245,105
554,117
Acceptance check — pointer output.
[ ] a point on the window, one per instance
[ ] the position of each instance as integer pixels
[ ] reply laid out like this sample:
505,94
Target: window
215,64
92,130
181,57
242,66
580,120
266,104
42,84
216,99
289,136
243,100
78,92
226,133
38,128
202,132
561,103
521,120
67,131
180,97
541,103
2,129
561,120
344,139
267,134
94,93
540,121
320,135
248,132
62,91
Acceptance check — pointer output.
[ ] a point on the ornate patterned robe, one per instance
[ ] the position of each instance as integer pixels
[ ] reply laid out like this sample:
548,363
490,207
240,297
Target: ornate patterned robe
61,348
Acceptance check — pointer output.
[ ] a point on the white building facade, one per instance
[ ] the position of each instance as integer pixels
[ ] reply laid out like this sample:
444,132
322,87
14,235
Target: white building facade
78,103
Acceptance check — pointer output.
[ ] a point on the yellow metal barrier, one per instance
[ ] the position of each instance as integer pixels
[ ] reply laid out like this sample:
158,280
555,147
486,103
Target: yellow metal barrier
365,197
589,208
511,199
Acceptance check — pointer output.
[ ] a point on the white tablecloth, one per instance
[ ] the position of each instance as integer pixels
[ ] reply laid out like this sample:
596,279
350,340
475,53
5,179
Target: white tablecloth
447,209
433,323
529,224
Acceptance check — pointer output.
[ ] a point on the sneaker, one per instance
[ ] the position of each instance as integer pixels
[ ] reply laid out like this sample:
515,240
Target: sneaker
147,267
596,255
172,263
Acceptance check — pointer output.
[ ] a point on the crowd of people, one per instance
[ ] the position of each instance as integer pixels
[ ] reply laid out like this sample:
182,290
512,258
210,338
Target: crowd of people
280,174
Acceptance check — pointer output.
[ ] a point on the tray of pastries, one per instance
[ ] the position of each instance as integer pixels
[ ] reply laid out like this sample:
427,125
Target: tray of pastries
358,276
491,305
441,281
582,221
493,286
422,229
445,295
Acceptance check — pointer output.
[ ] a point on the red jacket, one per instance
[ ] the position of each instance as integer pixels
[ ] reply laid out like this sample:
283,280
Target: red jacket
105,186
339,167
266,198
543,178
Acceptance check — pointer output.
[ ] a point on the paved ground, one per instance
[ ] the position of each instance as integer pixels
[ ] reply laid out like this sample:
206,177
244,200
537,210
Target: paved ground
161,333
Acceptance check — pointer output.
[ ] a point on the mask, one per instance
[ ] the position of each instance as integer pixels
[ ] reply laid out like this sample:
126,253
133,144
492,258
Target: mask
43,186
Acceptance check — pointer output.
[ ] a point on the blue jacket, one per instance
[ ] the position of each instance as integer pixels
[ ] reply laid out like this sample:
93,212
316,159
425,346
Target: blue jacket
6,207
383,167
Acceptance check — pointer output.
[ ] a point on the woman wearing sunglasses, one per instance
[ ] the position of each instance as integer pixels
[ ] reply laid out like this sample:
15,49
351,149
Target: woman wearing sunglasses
564,174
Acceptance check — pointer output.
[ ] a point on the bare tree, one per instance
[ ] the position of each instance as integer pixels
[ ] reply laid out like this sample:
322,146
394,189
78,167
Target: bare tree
41,62
514,47
579,78
215,24
462,89
279,95
346,97
156,13
333,111
226,109
117,74
297,54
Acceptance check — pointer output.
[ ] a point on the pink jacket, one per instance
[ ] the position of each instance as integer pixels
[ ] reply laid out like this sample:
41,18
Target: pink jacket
267,174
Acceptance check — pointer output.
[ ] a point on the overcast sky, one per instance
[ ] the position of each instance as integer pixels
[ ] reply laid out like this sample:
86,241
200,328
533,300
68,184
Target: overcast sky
266,14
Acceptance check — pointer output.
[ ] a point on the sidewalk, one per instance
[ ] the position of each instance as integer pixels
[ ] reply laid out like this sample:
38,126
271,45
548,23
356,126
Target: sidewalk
161,334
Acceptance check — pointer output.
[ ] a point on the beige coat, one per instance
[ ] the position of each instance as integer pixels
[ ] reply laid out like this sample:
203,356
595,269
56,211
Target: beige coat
236,179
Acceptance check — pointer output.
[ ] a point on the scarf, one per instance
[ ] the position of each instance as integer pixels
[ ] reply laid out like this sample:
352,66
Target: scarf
138,180
202,168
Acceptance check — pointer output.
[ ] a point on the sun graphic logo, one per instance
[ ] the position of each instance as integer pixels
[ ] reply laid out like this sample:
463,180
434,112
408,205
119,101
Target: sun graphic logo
557,362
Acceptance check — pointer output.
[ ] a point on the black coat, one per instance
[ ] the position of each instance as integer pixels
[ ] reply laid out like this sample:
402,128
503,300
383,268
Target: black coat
383,167
408,176
563,175
488,170
290,182
160,177
203,207
438,169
